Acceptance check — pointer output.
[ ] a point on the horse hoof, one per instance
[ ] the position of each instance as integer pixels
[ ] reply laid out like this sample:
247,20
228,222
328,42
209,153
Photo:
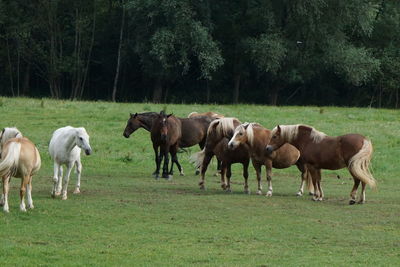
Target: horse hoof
64,197
169,178
361,202
352,202
31,207
57,193
77,191
314,199
310,193
223,186
247,191
197,173
299,194
259,192
202,187
182,174
228,190
6,210
269,194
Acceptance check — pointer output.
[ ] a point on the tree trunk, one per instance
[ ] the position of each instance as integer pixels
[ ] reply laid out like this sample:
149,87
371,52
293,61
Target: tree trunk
157,92
396,105
273,95
114,92
27,77
11,70
208,92
236,87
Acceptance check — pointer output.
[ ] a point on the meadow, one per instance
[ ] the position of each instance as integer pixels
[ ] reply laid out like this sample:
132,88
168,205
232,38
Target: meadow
124,217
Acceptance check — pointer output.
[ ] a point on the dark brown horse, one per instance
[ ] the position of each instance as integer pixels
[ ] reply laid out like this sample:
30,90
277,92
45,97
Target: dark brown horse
227,157
319,151
257,138
165,134
193,130
217,130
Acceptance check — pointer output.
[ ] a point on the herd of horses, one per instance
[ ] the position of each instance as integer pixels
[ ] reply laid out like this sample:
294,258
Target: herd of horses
232,141
228,139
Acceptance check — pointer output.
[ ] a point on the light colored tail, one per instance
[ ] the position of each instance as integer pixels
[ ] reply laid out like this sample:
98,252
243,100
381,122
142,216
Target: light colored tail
309,183
9,165
359,164
197,158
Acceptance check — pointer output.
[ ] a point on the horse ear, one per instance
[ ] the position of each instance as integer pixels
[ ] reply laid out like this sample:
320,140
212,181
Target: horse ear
169,115
278,128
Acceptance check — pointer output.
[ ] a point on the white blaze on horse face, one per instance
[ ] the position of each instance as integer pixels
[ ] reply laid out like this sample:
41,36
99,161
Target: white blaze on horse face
233,143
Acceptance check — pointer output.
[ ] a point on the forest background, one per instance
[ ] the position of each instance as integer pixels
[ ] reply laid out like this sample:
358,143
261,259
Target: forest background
277,52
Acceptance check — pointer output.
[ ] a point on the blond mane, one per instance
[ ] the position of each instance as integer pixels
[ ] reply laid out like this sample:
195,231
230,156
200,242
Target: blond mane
290,132
225,125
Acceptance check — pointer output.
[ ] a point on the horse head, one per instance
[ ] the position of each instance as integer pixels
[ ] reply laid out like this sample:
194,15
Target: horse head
82,140
277,140
239,136
132,125
163,122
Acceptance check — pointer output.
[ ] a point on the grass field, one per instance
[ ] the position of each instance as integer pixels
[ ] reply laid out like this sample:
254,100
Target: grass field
125,217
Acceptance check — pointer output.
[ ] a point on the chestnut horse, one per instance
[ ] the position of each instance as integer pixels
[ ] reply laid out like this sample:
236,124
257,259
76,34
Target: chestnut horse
319,151
257,137
193,130
207,114
166,134
217,130
19,158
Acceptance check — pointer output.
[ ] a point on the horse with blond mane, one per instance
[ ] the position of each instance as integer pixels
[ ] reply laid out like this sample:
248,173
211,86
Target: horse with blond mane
320,151
19,158
257,137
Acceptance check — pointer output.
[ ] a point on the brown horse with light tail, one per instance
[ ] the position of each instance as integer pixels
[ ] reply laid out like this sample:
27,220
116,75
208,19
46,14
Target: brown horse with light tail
257,137
19,158
319,151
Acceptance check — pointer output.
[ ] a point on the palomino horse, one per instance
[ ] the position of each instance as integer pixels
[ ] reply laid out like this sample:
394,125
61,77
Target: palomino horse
65,149
207,114
218,129
165,134
319,151
193,130
21,159
257,137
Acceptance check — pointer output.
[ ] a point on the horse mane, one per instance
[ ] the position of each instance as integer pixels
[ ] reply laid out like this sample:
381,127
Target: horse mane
289,132
250,131
223,126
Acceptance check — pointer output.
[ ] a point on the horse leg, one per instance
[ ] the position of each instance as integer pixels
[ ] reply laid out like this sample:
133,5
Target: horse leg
353,192
158,162
29,193
78,166
223,175
207,158
166,163
6,181
246,177
268,168
174,159
66,181
257,167
228,176
303,171
55,180
362,195
313,173
318,182
22,191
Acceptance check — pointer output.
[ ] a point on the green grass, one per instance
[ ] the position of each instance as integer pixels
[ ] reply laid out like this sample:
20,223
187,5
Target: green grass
125,217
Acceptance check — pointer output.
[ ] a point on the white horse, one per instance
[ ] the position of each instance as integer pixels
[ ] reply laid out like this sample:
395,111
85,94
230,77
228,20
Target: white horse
65,149
19,158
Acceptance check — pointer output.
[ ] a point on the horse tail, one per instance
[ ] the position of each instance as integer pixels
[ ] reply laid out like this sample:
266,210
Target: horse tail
9,165
197,158
359,164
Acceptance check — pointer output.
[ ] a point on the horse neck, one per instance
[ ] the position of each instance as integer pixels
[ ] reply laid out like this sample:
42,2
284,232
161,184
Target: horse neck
302,139
70,141
147,120
261,138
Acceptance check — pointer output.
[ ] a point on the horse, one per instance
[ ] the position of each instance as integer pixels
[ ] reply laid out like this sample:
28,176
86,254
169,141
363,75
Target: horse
218,129
320,151
193,130
21,159
257,137
207,114
65,149
165,134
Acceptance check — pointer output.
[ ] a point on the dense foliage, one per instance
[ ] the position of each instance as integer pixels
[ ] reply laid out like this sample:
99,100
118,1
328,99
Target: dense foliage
319,52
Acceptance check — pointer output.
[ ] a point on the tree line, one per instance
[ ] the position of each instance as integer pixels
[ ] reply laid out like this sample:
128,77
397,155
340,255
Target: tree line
278,52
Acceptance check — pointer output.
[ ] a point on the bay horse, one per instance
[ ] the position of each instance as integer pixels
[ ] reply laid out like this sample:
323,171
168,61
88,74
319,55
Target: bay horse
320,151
218,129
193,130
166,134
65,149
257,137
21,159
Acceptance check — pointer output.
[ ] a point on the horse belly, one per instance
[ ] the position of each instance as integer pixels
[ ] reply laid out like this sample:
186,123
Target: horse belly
285,157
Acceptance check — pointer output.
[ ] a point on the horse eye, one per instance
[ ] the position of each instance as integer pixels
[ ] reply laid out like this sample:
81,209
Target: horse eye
81,138
274,136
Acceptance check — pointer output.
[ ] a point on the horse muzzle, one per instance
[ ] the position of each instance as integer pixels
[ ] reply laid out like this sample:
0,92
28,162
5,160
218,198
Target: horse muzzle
269,149
126,135
88,152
